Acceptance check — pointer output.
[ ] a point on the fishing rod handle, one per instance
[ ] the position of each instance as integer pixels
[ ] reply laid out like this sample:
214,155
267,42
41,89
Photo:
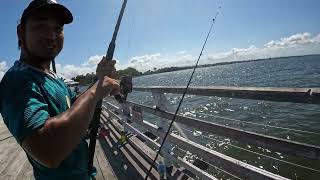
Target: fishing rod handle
110,52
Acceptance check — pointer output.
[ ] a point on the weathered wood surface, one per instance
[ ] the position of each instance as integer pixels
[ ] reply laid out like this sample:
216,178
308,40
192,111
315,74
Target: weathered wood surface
134,161
283,145
13,160
295,95
150,155
4,133
14,164
139,151
231,165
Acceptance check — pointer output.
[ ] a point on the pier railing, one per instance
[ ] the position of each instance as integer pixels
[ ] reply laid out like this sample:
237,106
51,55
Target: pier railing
233,166
295,95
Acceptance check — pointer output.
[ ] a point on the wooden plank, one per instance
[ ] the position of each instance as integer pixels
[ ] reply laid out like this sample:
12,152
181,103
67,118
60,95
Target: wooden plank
132,162
122,168
197,171
106,128
4,131
106,137
5,145
126,154
99,175
13,164
8,156
5,135
151,154
278,144
132,151
106,168
141,160
26,171
236,167
145,124
13,168
233,166
2,125
3,128
140,146
248,170
109,142
295,95
114,150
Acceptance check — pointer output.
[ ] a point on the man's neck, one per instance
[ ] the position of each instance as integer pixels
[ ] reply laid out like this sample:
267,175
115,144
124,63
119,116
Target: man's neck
36,62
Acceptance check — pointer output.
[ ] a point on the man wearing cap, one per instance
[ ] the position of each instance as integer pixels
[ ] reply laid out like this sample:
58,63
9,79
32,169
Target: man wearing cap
38,108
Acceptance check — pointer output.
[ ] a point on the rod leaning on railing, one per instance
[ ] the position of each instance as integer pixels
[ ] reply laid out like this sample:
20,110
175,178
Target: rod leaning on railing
278,94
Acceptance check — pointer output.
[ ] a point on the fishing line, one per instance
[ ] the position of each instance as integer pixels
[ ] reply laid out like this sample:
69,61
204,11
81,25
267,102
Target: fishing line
184,93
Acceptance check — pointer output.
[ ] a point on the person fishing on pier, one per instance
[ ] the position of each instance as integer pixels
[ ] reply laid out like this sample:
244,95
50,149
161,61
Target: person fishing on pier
41,112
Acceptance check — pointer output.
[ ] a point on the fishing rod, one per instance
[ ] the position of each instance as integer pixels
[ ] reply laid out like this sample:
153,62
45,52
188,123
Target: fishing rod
184,93
97,112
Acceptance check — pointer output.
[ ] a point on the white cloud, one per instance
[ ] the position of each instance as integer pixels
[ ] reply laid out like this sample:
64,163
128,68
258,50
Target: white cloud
3,69
294,40
297,44
93,60
69,71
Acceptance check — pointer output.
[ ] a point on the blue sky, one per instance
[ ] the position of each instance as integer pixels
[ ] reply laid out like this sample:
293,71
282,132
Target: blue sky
160,33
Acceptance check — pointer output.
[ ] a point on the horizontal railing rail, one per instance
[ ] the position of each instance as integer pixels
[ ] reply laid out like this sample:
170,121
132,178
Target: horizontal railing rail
294,95
192,168
288,146
231,165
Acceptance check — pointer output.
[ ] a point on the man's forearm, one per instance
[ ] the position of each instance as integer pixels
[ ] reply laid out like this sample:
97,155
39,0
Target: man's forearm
63,132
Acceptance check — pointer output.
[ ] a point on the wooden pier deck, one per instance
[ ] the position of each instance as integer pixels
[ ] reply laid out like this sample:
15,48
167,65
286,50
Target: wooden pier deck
113,162
131,159
14,164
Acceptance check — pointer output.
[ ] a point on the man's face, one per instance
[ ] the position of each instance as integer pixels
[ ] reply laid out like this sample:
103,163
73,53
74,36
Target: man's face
44,35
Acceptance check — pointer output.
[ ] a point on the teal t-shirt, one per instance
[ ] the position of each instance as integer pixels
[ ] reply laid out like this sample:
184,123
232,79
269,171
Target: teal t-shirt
28,98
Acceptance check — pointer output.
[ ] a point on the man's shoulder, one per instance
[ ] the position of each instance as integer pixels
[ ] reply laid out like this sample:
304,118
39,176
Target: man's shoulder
16,79
17,74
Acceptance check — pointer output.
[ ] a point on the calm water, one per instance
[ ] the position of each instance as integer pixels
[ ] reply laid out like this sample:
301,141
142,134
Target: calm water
302,119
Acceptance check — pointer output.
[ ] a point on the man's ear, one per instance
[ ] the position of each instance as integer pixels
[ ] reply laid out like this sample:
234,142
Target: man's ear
20,34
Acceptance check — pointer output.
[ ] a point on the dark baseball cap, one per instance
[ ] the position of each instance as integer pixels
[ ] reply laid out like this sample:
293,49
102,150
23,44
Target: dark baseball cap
61,11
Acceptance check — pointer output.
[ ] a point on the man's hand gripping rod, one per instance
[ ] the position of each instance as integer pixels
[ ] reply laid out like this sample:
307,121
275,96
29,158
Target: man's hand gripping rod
97,112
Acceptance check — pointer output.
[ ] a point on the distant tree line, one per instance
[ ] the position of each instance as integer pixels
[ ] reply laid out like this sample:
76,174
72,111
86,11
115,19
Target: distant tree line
89,78
85,79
